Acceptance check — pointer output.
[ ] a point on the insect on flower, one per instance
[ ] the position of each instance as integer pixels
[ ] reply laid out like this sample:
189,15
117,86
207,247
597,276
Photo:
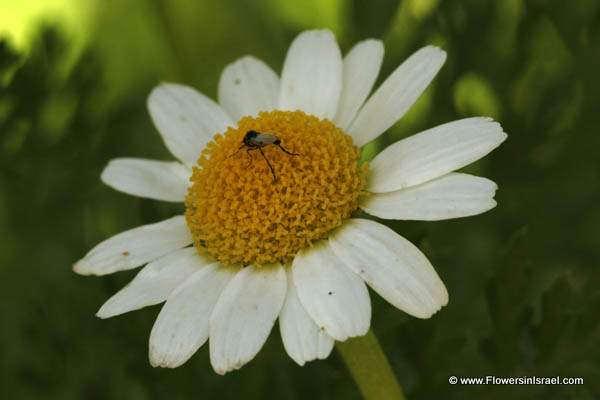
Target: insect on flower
254,140
310,273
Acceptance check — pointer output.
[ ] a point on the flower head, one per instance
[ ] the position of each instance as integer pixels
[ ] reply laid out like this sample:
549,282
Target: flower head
241,212
268,231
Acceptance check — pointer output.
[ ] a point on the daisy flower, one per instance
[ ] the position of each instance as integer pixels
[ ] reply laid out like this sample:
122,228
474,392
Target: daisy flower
271,234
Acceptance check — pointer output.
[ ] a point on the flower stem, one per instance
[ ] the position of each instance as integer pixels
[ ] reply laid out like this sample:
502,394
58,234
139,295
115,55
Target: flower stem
370,368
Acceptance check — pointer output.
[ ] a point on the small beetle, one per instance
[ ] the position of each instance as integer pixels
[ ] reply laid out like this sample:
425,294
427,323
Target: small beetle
254,140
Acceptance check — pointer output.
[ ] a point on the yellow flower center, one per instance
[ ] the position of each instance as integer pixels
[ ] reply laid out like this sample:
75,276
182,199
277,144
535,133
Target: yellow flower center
239,213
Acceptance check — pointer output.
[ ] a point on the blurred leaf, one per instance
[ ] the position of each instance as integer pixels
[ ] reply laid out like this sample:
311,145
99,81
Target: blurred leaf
473,95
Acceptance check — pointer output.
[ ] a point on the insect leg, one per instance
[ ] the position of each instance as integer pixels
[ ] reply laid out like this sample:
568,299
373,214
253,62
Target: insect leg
285,151
248,150
241,147
268,163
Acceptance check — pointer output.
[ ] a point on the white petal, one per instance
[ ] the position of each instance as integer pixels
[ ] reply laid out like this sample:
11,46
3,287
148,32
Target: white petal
311,80
391,265
245,315
433,153
302,338
361,67
182,325
450,196
397,94
247,87
154,282
186,119
335,297
159,180
135,247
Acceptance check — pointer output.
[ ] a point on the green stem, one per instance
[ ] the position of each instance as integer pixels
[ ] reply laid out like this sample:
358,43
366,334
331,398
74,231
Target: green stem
370,368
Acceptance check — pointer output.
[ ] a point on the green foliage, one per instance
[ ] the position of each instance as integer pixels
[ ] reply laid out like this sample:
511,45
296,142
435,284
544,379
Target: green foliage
523,278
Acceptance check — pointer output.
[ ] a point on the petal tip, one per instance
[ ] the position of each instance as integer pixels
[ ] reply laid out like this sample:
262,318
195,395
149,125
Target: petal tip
493,186
159,90
377,42
497,129
318,32
81,268
103,313
229,366
436,53
373,42
155,362
248,58
443,292
299,361
364,330
156,89
105,174
158,360
166,85
220,371
152,98
108,309
429,313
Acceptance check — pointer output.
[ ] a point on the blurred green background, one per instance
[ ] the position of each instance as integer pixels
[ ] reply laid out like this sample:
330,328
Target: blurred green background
523,278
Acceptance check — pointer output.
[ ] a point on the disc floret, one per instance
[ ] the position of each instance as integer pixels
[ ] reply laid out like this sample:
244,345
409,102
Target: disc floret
239,214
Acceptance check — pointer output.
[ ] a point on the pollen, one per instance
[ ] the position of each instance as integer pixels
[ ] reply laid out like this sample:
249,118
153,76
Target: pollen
240,213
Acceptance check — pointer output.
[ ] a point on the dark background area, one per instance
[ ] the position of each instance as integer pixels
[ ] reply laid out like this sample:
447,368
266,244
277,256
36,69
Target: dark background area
523,278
